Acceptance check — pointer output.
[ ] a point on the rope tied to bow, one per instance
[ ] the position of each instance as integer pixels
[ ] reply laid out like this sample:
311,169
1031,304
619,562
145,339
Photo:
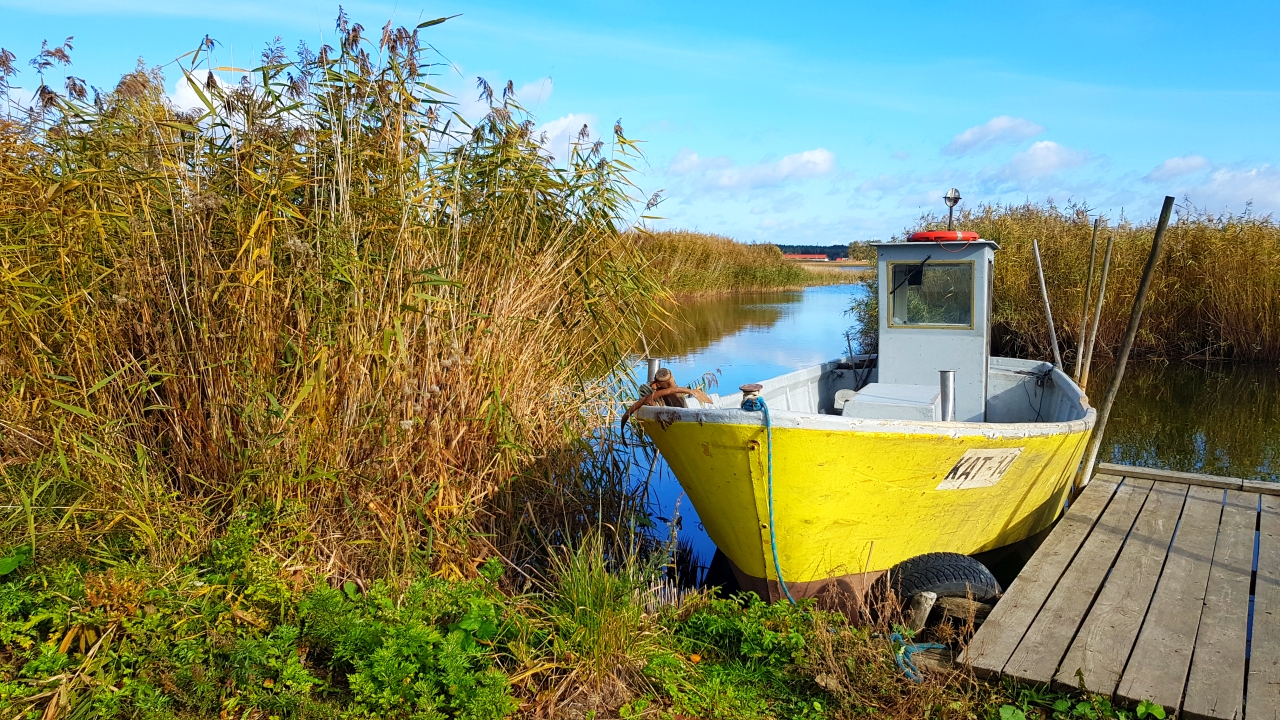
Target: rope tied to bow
664,391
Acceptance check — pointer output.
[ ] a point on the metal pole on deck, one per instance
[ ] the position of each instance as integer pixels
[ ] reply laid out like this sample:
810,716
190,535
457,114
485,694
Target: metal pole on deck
1084,302
1131,334
947,394
1083,382
1044,292
654,364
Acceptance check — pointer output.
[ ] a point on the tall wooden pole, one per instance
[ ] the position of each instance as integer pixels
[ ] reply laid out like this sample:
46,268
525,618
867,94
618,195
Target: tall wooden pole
1083,382
1084,302
1044,292
1135,319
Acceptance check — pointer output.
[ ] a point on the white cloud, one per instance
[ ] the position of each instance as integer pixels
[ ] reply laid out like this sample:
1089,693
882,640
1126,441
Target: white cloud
996,131
724,174
532,94
1177,167
1231,189
1043,158
561,133
184,97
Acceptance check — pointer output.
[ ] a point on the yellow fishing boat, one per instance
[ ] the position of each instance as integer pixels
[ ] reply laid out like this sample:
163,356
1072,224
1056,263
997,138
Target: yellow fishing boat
826,477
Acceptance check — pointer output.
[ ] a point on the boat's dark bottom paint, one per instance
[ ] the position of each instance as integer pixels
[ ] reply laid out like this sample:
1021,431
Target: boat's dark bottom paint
844,592
848,592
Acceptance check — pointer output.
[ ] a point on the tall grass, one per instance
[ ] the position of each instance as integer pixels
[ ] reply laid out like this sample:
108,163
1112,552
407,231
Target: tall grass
1216,292
692,262
321,291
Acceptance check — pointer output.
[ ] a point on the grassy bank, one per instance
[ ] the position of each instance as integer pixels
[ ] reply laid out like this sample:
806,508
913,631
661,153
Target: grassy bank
1216,292
239,634
692,262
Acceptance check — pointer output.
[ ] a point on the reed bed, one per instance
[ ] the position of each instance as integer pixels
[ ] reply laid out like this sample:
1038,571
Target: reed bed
322,292
1215,294
692,262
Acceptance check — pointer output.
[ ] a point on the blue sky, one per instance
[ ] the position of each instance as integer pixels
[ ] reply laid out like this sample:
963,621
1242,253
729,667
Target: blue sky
816,123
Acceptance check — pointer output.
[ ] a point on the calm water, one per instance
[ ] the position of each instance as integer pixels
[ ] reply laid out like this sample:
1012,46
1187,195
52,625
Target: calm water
1218,419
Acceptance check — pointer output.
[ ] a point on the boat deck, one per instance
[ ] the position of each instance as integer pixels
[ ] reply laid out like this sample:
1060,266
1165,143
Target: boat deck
1157,586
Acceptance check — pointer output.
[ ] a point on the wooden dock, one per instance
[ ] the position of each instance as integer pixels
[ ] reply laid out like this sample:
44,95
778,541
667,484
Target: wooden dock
1157,586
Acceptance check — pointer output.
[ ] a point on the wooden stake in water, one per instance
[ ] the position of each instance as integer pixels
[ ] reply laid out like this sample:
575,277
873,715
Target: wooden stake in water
1131,334
1084,302
1044,292
1083,382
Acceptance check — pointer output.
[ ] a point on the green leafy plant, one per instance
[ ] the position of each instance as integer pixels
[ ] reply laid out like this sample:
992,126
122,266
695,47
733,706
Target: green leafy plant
1009,712
1149,709
16,558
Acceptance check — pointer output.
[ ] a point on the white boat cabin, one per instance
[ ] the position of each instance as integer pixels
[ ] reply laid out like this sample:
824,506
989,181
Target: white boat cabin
935,302
935,315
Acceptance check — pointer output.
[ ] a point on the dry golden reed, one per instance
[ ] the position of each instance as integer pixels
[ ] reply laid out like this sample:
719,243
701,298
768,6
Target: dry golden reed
323,293
693,262
1216,291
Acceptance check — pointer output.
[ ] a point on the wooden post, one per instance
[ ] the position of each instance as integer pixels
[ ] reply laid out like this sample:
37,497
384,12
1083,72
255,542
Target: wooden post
921,606
1083,382
1131,334
1084,302
1044,292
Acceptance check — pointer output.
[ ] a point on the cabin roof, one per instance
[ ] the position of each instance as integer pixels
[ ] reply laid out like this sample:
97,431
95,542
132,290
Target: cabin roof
990,243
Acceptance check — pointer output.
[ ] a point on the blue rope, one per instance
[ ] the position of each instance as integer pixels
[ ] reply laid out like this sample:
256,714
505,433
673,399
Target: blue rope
757,404
902,652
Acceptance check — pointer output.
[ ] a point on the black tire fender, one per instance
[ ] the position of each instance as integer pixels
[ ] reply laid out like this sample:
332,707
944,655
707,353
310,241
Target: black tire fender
945,573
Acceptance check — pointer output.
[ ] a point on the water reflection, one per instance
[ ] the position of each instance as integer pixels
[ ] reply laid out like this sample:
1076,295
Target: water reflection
1220,419
696,324
752,337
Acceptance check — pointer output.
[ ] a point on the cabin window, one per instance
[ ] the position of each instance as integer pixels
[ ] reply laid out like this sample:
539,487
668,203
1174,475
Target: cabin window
935,294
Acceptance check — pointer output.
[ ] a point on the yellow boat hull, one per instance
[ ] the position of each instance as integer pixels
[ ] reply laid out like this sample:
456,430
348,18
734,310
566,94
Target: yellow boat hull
858,498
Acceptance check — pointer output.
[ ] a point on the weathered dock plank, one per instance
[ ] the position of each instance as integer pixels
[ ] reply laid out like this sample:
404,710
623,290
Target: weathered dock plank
1215,688
1164,646
1263,683
1003,630
1186,478
1102,646
1265,487
1036,658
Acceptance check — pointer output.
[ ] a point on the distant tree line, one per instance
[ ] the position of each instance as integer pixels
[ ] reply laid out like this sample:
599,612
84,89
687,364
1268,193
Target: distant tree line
833,252
858,251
